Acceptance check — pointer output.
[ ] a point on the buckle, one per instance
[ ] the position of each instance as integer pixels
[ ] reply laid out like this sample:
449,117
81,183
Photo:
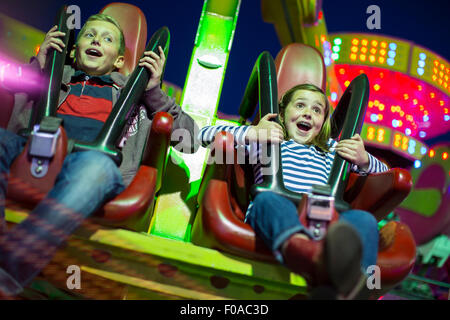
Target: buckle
319,209
43,144
42,149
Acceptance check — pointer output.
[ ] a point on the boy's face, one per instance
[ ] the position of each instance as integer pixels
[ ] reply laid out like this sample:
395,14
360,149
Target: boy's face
97,50
304,115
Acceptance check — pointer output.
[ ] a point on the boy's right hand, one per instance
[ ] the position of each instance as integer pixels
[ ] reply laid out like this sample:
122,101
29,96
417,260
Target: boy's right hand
52,40
266,131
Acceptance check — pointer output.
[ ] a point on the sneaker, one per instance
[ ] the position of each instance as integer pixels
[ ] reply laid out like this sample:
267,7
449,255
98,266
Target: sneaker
334,262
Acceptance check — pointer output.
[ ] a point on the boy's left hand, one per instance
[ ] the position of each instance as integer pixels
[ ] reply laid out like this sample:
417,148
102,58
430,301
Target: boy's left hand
154,64
353,150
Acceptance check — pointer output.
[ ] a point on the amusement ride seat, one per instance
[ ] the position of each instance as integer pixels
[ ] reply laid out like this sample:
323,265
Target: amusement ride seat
132,209
225,191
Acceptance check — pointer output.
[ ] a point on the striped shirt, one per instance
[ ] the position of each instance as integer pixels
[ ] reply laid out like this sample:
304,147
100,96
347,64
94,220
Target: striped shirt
303,165
87,106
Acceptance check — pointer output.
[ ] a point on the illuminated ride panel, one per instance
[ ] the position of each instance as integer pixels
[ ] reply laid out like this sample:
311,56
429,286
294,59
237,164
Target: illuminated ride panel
409,94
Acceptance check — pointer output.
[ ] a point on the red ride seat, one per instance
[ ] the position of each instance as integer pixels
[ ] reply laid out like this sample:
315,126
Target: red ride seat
132,208
224,193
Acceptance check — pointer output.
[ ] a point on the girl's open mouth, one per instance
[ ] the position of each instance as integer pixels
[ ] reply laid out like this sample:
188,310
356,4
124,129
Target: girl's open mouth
304,126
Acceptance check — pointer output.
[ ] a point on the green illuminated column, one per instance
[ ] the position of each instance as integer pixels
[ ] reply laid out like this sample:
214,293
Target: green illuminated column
176,204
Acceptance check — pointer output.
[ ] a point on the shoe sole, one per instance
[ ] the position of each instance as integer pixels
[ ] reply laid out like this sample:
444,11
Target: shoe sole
343,254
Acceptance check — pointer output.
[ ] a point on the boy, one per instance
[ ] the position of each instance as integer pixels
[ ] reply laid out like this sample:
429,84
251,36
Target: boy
87,179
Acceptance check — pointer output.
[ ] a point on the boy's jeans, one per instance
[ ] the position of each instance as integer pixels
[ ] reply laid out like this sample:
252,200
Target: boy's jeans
87,179
275,219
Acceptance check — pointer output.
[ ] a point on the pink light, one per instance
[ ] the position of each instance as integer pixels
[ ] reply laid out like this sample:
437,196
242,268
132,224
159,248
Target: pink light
18,77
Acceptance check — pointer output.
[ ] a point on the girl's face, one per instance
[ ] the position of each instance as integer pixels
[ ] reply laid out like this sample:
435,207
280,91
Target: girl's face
304,115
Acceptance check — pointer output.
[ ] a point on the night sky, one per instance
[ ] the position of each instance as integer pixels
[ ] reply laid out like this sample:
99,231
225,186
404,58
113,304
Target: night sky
423,22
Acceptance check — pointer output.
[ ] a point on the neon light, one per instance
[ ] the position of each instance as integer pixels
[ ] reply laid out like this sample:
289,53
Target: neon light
422,134
421,63
333,96
355,41
390,61
376,87
446,117
373,117
417,164
381,60
423,150
370,133
408,131
391,54
422,56
337,41
364,42
445,156
431,153
353,56
380,116
392,46
363,49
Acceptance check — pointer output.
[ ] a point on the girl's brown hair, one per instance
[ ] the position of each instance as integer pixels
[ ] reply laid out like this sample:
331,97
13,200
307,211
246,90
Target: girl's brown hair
321,140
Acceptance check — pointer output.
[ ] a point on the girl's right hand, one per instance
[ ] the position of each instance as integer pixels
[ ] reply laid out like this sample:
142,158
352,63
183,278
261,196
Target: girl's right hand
52,40
266,131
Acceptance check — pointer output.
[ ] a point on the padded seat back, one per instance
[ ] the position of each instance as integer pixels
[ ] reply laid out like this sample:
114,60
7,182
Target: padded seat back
297,64
134,26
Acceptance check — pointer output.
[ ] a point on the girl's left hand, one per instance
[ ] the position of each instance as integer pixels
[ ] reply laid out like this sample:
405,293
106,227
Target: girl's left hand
353,150
155,64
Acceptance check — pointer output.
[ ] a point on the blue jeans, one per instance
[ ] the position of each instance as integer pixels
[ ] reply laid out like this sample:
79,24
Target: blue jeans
87,179
275,219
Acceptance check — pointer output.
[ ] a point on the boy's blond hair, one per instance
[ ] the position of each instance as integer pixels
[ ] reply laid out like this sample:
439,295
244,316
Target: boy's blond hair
321,140
107,18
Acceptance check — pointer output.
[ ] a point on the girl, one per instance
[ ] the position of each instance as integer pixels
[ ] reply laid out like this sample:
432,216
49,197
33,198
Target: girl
307,154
